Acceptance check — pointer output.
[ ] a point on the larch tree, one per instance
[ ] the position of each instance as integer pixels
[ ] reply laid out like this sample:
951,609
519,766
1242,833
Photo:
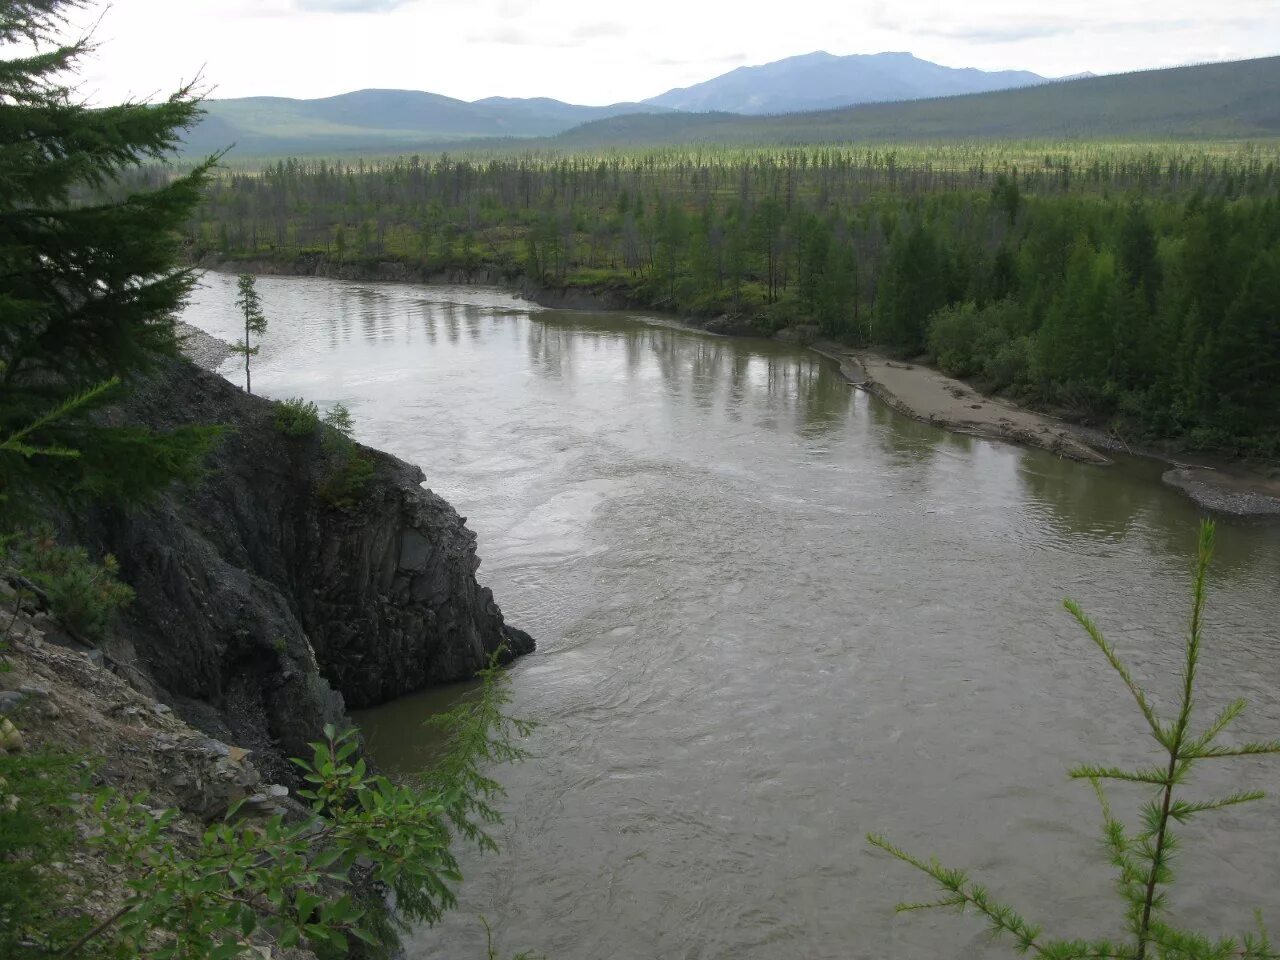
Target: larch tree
255,322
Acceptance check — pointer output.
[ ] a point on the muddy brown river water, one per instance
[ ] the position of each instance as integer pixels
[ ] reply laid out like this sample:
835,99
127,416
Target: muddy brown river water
772,616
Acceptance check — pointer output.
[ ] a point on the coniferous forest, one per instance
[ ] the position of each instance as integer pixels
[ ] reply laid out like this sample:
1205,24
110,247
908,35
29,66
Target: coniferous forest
1136,287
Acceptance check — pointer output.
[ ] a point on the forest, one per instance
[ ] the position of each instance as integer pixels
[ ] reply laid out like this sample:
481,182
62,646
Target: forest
1131,286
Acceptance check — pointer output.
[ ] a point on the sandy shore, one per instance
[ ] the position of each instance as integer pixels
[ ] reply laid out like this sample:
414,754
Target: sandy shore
925,394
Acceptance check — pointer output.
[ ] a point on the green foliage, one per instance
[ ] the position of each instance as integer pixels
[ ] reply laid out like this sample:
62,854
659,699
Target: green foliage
338,419
249,303
297,417
88,275
347,481
37,820
912,286
350,468
81,593
242,881
967,340
1143,858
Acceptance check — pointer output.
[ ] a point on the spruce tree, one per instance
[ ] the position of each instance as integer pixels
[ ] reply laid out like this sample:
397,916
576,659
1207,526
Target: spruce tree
88,284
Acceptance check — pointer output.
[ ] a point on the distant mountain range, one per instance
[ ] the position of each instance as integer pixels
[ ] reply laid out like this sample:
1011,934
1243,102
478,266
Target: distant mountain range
820,81
381,120
1215,101
896,97
396,119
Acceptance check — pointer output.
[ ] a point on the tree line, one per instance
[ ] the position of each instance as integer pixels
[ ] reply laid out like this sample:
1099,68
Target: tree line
1136,287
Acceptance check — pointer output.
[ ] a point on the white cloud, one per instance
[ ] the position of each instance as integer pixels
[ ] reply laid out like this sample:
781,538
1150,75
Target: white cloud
350,6
588,52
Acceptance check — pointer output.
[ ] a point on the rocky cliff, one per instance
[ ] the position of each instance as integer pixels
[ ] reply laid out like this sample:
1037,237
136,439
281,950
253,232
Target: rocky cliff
261,607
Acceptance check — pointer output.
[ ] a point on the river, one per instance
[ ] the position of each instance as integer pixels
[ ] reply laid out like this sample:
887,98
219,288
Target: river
772,616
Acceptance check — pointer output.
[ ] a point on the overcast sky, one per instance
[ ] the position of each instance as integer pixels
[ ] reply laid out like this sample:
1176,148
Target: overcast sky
587,51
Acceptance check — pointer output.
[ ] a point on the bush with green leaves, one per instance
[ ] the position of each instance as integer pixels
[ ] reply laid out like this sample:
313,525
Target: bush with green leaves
37,828
297,417
350,468
1143,858
245,881
83,594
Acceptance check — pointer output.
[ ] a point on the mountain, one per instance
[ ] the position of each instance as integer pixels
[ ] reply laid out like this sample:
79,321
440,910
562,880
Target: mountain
380,120
1212,101
820,80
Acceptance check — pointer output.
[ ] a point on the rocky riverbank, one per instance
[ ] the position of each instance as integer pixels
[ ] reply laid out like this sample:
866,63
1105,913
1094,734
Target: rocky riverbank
1228,492
205,351
59,696
262,608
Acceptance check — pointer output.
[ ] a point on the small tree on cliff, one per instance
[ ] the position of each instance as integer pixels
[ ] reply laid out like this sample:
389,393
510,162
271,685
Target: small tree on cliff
88,283
255,322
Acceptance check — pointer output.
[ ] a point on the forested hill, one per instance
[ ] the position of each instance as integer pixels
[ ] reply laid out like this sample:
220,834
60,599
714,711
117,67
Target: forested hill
380,121
1214,101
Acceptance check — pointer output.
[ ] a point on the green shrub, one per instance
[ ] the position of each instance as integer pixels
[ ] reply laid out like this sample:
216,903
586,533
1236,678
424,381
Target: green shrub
348,481
777,316
350,468
1009,366
297,417
211,895
37,820
82,595
964,339
1142,858
953,332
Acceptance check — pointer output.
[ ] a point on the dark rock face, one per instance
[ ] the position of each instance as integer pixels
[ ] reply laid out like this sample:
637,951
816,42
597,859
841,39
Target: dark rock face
260,607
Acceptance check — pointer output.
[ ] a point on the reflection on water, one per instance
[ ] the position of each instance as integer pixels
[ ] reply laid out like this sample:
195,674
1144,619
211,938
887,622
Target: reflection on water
774,615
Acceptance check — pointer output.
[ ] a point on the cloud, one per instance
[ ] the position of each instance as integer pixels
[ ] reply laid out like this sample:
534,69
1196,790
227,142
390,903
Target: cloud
513,36
1011,33
698,61
350,6
599,29
510,36
1015,30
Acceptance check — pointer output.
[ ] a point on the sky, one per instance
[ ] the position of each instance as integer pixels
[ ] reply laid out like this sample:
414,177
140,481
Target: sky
593,52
